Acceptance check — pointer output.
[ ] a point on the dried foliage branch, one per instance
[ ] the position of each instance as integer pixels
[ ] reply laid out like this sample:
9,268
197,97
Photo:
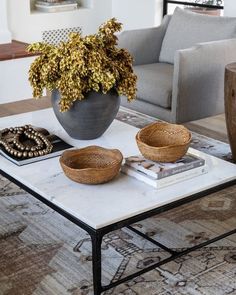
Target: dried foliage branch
83,64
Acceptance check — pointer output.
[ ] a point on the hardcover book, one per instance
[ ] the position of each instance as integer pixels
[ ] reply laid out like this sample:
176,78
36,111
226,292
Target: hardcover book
167,181
158,170
46,3
56,7
59,146
160,175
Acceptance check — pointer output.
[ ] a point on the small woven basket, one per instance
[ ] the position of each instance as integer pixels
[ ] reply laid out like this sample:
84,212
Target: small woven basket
91,165
163,142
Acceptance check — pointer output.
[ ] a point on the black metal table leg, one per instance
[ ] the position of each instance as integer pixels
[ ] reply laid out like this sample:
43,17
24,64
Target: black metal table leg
97,263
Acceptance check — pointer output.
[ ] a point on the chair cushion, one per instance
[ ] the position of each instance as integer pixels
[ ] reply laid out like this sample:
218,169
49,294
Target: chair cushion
155,83
186,29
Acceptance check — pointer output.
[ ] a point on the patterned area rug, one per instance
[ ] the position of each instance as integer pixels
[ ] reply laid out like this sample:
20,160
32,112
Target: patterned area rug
43,253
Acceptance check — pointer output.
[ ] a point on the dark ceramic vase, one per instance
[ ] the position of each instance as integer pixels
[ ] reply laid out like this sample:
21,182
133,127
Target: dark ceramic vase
88,118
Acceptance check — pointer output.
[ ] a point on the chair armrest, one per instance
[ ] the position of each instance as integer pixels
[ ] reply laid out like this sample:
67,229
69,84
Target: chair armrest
198,82
144,44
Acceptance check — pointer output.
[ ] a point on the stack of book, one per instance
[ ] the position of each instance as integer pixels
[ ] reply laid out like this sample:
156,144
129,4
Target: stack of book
160,175
56,6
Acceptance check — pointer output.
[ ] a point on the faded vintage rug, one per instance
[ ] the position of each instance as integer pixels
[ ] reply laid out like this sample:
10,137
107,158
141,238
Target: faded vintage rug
42,253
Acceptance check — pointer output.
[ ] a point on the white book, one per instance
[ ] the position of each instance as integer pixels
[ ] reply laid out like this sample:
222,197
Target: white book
63,2
167,181
56,8
160,170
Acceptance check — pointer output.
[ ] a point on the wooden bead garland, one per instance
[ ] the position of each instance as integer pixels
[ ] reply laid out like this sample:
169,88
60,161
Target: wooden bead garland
14,146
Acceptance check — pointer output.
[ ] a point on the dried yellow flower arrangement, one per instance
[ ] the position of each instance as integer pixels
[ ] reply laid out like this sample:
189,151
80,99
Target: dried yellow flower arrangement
83,64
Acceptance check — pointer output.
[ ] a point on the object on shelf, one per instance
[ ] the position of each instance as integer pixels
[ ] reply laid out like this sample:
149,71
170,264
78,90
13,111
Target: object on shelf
204,11
55,2
56,6
91,165
163,142
27,144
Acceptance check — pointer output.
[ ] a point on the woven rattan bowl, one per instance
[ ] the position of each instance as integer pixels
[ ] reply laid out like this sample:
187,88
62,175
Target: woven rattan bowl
91,165
163,142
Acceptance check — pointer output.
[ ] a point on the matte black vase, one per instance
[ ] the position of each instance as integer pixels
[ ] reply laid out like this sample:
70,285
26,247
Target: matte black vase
88,118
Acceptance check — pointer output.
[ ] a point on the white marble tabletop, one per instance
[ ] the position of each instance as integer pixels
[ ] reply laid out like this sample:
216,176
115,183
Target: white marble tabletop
101,205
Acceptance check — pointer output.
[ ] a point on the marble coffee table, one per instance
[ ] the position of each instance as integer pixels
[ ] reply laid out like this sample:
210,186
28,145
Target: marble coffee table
101,209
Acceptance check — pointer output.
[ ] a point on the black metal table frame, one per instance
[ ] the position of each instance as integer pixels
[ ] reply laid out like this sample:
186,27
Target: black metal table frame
98,234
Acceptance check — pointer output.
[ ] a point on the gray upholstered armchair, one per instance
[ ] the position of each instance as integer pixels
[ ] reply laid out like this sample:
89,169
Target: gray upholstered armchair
176,84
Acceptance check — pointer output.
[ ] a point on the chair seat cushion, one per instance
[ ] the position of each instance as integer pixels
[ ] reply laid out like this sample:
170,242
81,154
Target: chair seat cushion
186,29
155,83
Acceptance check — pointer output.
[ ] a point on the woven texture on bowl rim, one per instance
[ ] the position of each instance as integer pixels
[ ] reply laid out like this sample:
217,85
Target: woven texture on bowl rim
95,164
168,151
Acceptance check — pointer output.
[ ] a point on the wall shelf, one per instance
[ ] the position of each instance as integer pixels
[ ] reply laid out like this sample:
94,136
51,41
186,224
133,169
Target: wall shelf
74,11
28,25
82,4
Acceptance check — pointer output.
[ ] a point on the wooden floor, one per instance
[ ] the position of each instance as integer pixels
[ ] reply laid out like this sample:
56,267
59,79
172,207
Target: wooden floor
23,106
213,127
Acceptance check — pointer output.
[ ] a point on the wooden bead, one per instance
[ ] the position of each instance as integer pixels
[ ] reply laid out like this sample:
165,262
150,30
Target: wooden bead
36,154
15,147
40,153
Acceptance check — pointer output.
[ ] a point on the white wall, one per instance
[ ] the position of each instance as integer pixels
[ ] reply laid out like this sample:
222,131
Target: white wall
135,14
5,35
230,7
14,79
27,26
